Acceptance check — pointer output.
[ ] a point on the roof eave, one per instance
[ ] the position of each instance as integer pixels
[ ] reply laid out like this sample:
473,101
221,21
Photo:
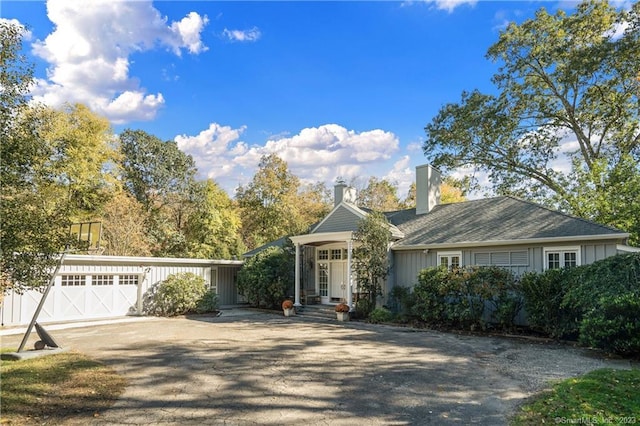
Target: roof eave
527,241
84,258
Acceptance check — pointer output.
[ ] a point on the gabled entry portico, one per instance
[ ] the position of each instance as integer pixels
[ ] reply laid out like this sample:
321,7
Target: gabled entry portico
333,257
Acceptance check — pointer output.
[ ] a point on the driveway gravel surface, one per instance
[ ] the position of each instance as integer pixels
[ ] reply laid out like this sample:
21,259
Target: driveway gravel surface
247,367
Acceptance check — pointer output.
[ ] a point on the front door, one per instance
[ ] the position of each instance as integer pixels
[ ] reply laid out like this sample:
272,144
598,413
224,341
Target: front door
338,282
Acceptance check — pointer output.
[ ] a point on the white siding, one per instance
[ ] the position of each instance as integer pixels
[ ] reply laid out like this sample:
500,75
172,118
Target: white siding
112,298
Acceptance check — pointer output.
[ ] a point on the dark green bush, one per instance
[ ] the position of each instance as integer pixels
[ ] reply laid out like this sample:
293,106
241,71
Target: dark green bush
379,315
613,276
268,277
614,326
598,304
543,302
430,295
179,294
364,306
207,303
402,301
468,297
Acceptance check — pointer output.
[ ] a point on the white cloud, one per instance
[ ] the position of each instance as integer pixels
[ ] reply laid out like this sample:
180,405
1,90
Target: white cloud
89,50
448,5
250,35
214,149
402,174
314,154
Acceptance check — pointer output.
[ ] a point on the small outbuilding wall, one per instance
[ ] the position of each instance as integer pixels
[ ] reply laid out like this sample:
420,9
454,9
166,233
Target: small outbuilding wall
100,287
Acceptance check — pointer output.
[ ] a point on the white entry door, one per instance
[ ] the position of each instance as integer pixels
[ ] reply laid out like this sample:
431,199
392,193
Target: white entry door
338,282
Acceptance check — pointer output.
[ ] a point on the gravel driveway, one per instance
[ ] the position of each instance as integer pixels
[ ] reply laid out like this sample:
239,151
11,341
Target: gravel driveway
248,368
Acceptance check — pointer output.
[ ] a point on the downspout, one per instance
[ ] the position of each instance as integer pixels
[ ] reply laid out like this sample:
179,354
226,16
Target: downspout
297,303
349,279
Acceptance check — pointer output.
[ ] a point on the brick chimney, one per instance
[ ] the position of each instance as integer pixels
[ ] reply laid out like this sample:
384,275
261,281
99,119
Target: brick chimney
427,188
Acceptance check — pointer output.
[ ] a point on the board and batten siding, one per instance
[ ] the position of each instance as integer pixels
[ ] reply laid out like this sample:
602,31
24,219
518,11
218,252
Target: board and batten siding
407,264
98,287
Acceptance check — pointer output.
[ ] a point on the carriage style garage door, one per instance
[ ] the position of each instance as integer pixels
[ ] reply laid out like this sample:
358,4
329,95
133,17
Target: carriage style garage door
79,297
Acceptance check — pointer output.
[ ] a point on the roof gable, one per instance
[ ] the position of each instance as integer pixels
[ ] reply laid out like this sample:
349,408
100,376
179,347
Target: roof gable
343,217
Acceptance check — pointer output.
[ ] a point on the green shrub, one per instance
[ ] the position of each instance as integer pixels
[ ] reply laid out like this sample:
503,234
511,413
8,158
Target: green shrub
543,302
467,297
614,326
613,276
597,304
379,315
179,294
364,306
207,303
402,301
268,277
430,299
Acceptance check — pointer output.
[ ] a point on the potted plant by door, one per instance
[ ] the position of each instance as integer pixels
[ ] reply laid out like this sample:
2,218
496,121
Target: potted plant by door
342,312
287,307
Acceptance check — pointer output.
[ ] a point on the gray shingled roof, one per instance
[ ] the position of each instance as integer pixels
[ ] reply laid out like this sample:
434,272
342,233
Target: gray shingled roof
492,219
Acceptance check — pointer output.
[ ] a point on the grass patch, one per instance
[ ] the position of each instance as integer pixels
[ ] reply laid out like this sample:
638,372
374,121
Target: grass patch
52,389
599,397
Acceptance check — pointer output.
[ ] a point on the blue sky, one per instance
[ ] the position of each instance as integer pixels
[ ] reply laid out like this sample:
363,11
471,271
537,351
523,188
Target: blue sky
335,88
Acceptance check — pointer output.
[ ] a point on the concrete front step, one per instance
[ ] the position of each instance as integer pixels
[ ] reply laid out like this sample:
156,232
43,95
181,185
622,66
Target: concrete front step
317,311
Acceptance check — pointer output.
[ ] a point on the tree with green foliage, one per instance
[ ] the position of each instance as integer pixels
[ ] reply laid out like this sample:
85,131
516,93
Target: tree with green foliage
153,170
161,177
380,195
53,171
564,80
267,278
315,201
213,226
371,254
269,203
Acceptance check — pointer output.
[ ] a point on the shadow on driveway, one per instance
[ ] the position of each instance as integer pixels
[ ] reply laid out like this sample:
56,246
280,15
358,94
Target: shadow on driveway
259,368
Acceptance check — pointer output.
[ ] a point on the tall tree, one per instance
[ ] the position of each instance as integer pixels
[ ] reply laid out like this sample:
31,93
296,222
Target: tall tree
83,156
161,178
315,201
564,81
52,171
213,227
269,203
154,170
124,227
380,195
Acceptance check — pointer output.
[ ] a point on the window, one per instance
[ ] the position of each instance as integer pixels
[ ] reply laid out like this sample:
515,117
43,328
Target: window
213,285
323,279
561,257
73,280
102,280
128,279
450,259
323,254
336,254
502,258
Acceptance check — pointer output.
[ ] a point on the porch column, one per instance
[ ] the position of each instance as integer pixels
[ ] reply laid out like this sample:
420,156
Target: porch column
349,280
297,279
